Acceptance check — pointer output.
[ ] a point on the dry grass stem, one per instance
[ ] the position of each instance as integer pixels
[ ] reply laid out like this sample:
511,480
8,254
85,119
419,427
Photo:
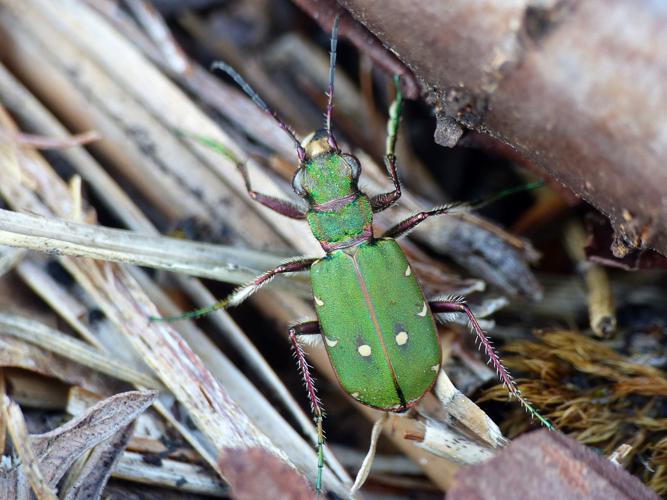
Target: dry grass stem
183,477
41,142
119,302
13,416
117,201
62,237
70,348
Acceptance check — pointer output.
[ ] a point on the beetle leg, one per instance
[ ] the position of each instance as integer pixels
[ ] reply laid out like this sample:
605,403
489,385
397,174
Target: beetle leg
407,225
283,207
310,328
244,291
459,306
382,201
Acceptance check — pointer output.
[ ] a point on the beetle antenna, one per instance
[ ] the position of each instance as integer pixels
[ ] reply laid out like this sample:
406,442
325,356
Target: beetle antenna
245,86
332,74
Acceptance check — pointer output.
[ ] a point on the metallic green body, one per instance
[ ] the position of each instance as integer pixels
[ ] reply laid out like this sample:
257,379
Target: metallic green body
344,224
376,324
328,175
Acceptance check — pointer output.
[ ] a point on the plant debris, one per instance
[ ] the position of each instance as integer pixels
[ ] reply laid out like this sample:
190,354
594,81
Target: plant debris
100,179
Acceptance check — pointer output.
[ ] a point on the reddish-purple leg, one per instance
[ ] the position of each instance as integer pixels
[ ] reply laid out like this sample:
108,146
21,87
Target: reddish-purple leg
245,291
383,201
310,328
407,225
458,306
284,207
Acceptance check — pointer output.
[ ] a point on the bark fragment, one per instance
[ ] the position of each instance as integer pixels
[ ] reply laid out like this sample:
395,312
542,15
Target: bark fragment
576,88
547,465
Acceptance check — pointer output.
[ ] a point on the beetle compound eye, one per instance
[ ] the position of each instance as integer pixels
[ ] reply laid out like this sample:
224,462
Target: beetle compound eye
297,183
355,166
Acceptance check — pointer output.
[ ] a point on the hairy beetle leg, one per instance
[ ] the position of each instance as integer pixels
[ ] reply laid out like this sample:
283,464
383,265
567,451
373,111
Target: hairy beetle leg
380,202
310,328
407,225
439,306
283,207
244,291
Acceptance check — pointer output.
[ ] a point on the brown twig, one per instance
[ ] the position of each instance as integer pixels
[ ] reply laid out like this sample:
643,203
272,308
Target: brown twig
601,309
41,142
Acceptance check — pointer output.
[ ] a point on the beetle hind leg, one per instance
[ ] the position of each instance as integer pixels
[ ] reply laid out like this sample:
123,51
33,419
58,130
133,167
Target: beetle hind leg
309,328
459,306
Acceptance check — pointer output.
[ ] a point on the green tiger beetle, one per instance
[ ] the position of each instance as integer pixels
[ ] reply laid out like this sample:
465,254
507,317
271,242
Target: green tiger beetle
376,324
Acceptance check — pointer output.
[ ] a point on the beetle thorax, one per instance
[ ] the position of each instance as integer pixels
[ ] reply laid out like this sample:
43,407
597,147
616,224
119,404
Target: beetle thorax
339,214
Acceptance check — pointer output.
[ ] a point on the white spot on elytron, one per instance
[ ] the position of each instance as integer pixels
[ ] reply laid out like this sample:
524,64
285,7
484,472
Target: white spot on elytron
330,343
408,271
401,338
355,395
318,301
423,311
435,368
364,350
423,461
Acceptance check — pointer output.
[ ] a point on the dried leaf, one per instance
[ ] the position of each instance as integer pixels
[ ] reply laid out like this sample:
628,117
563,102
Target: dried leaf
58,449
248,483
88,480
547,465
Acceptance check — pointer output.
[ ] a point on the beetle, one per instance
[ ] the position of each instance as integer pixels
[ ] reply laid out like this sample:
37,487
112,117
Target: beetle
374,319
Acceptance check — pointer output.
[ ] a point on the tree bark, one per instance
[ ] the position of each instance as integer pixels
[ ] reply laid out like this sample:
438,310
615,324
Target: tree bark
577,88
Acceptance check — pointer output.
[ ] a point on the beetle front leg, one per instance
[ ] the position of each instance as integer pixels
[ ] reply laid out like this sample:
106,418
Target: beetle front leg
383,201
310,328
459,306
283,207
244,291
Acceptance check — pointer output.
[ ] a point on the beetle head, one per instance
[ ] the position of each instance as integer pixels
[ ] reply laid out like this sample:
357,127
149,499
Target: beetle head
325,174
